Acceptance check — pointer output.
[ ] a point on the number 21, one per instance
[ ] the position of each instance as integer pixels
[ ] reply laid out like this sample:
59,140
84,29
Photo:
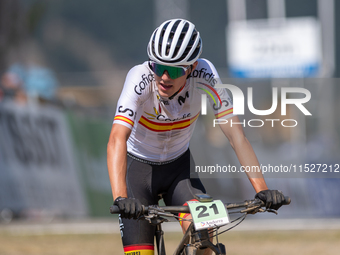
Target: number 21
203,209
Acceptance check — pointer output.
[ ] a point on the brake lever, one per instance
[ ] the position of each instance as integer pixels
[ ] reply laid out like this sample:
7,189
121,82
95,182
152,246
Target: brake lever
256,210
272,211
154,213
252,210
166,214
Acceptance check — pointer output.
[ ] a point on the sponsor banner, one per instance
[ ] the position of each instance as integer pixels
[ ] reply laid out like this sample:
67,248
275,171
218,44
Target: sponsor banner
37,165
274,48
90,135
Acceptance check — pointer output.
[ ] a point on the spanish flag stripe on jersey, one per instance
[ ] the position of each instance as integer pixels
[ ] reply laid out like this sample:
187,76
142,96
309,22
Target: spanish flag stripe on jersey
141,249
161,127
224,113
122,118
168,123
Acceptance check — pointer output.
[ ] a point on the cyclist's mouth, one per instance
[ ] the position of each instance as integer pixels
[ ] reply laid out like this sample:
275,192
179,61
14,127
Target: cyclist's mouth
165,87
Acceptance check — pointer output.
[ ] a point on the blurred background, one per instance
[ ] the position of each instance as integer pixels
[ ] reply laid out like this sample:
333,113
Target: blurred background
63,65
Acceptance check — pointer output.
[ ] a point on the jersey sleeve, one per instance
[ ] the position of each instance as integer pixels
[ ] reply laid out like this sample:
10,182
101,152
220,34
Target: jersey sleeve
223,108
218,98
135,90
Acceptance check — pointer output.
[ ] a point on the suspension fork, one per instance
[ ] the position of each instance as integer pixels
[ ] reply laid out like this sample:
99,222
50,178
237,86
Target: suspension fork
200,240
159,234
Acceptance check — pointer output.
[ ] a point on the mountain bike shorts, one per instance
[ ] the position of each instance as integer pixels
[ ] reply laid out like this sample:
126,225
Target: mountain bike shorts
146,182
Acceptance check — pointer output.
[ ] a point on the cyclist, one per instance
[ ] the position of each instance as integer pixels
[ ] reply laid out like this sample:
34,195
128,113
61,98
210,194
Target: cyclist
147,152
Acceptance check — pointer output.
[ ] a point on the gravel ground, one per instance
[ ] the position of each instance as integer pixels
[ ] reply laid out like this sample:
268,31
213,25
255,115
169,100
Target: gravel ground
312,242
101,236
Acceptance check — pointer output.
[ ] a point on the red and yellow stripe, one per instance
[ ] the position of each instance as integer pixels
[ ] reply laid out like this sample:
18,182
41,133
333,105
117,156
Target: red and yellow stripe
122,118
166,126
144,249
184,215
224,113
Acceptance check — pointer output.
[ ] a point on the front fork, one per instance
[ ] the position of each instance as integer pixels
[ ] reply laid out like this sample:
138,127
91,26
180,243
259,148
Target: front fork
200,241
159,234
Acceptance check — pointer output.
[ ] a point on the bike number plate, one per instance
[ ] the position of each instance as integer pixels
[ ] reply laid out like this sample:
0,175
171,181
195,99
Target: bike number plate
208,214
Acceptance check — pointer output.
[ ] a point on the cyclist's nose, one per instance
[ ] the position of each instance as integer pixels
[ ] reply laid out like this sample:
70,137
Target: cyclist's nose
165,76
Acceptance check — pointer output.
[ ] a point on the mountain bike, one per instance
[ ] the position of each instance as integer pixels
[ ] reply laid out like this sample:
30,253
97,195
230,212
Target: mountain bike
208,217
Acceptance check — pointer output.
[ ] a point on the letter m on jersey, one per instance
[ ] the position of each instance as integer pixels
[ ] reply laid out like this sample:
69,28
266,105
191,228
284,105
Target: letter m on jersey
182,99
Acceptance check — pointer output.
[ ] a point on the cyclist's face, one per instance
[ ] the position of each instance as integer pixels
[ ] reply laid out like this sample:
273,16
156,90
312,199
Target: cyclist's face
167,86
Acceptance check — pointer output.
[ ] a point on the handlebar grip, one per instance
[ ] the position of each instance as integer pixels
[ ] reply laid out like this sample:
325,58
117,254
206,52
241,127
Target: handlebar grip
287,200
114,209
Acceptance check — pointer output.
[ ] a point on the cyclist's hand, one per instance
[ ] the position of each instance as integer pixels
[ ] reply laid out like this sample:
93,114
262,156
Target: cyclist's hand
129,207
273,199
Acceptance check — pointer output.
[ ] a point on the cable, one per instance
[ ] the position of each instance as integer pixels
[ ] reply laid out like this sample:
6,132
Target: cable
218,243
243,217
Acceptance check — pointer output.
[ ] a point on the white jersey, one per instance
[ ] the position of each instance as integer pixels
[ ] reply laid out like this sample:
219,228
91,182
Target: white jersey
162,127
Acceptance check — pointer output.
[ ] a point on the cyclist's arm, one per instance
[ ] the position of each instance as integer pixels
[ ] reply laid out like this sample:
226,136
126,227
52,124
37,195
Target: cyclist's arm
244,152
116,159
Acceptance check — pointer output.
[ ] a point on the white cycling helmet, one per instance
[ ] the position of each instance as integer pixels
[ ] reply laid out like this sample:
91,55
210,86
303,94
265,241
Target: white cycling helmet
175,42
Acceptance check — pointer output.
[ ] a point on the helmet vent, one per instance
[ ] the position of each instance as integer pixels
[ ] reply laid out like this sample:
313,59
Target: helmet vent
196,52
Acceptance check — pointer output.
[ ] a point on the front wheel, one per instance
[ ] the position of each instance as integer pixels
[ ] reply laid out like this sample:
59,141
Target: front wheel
192,250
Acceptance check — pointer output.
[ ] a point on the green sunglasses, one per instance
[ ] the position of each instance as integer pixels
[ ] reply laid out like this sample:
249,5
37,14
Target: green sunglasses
173,71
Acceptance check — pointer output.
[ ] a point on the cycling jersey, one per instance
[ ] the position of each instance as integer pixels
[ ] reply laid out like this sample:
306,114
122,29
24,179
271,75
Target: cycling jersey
162,127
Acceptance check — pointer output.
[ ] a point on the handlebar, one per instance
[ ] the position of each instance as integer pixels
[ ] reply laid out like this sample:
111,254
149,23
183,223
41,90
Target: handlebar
248,202
185,209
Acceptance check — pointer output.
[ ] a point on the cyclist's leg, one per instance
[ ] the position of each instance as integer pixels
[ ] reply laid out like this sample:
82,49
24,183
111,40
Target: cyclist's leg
184,189
182,192
138,236
184,186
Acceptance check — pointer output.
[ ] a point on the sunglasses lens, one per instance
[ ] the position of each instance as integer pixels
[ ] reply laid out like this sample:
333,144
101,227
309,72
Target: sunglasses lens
173,71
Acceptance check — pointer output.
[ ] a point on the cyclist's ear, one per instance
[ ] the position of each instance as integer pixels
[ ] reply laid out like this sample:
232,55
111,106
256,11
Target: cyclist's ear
193,66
